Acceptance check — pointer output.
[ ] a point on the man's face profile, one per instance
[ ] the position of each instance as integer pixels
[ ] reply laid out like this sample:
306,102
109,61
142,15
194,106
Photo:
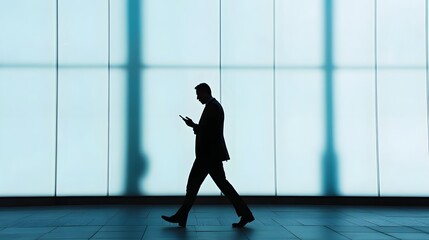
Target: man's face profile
202,96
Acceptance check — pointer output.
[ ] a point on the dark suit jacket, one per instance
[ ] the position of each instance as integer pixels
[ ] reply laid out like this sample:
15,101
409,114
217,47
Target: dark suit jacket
210,143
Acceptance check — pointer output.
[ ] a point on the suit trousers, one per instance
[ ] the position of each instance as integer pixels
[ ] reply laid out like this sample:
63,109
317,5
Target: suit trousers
199,172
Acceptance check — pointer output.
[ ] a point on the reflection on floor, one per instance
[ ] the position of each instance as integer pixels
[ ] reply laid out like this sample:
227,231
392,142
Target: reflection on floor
214,222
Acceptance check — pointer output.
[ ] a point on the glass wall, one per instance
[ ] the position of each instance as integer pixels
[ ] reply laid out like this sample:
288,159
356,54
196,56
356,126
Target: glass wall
354,94
82,97
402,95
321,97
28,98
247,94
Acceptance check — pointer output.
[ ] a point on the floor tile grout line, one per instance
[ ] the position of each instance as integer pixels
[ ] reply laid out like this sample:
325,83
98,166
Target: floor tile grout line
290,231
144,232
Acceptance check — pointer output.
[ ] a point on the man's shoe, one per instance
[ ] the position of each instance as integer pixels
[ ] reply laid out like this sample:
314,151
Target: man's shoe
175,219
243,222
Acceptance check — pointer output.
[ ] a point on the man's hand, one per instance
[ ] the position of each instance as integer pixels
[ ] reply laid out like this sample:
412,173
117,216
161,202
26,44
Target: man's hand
188,121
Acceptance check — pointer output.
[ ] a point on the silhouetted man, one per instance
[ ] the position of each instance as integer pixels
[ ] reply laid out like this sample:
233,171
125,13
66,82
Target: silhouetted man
210,151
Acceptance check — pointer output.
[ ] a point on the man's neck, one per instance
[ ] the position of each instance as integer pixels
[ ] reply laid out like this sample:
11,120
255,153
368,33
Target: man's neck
210,99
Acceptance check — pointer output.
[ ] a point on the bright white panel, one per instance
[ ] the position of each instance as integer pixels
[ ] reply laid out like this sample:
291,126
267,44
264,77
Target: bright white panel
83,32
401,33
247,33
166,141
300,131
354,33
299,32
82,132
28,32
178,33
355,132
27,132
404,163
247,99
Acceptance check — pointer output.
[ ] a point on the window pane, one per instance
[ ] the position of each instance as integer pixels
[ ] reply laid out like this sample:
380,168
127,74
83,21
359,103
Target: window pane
404,163
355,132
300,131
27,132
354,97
118,133
82,132
28,32
83,32
401,33
247,99
27,97
83,97
354,33
180,32
299,32
247,33
118,32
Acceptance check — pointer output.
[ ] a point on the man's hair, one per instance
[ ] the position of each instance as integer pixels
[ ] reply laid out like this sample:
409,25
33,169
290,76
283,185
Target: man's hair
203,87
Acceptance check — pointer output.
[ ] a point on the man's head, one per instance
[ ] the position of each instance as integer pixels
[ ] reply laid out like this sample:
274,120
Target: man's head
204,93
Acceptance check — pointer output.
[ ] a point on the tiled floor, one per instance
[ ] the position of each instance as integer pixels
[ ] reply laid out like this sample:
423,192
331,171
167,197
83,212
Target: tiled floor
214,222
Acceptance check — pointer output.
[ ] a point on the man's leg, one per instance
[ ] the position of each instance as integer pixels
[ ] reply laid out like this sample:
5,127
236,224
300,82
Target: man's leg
217,173
196,178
